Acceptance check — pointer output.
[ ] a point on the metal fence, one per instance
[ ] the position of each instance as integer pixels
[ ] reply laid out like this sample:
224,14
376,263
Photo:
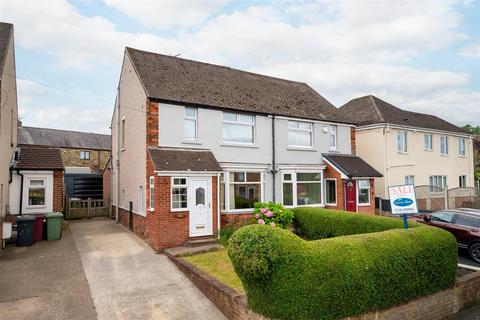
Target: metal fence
86,208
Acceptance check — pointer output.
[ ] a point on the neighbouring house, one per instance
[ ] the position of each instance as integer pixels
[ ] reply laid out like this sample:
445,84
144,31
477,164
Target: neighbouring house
8,116
84,157
476,152
410,148
195,145
37,181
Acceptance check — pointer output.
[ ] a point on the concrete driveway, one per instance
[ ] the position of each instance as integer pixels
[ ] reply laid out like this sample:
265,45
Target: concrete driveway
128,280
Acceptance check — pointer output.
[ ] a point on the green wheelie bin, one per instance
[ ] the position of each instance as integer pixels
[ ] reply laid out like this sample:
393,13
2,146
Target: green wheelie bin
54,225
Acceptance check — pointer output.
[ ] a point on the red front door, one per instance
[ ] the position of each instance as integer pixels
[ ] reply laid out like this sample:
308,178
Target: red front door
351,196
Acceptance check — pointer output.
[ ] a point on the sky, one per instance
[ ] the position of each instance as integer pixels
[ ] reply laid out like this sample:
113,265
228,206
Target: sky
422,56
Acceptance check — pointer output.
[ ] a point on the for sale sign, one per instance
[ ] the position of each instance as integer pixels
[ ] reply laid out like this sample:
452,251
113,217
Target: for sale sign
403,199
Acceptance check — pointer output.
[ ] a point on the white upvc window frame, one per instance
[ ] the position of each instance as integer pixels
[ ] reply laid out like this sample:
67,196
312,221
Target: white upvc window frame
433,179
294,182
410,179
190,119
336,193
333,132
238,122
462,151
462,181
141,200
365,204
227,183
42,187
428,142
84,155
178,186
298,129
151,189
444,145
123,134
402,141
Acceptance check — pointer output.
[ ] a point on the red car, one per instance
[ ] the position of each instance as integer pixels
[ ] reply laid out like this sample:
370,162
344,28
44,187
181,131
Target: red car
464,224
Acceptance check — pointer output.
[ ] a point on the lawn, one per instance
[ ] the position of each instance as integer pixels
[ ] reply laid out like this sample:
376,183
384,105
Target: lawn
218,265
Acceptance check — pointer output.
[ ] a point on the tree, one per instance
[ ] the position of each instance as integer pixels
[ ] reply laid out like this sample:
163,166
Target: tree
472,130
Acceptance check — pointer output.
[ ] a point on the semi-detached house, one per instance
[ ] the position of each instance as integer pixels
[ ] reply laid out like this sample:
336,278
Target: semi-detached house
195,145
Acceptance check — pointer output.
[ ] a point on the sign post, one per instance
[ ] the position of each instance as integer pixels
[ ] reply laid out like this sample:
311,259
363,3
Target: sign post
403,201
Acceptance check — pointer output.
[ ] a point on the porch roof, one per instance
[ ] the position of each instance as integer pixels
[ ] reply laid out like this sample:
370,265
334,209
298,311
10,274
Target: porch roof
351,165
38,158
183,159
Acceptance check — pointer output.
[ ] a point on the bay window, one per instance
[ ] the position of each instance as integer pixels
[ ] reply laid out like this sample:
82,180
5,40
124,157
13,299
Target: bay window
363,192
238,128
179,194
300,134
302,188
244,189
36,192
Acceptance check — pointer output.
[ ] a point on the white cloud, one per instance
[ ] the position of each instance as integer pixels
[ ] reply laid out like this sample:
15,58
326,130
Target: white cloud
471,50
164,14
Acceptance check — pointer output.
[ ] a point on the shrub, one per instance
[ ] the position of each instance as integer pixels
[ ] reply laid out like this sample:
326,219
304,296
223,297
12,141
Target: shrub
273,214
227,231
286,277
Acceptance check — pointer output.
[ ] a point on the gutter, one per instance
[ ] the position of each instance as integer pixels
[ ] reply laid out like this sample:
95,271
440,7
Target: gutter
218,206
274,170
117,160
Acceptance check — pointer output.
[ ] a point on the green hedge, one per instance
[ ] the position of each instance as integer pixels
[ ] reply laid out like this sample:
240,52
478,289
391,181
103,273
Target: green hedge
286,277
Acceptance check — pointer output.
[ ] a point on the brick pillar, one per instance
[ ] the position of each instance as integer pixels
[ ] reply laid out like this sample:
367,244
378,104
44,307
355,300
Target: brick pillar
58,191
353,140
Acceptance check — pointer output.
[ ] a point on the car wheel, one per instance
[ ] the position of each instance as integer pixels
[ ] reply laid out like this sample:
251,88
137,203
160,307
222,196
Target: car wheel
474,252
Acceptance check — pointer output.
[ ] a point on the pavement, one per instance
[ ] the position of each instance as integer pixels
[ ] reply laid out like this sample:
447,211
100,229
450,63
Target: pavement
128,280
45,281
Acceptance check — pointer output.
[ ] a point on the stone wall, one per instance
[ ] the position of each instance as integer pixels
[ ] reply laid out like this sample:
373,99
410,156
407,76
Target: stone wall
98,159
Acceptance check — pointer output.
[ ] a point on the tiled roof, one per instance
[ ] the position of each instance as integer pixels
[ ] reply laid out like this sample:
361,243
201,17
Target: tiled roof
372,110
63,138
177,159
38,158
178,80
5,34
352,166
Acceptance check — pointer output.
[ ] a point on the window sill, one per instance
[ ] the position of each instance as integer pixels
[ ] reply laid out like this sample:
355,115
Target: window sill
179,210
151,209
123,149
36,207
239,145
402,152
462,156
191,142
364,204
237,211
331,204
444,155
310,149
428,150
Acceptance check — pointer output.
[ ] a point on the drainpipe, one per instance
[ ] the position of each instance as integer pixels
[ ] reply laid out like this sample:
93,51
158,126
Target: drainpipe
117,162
218,206
21,192
274,170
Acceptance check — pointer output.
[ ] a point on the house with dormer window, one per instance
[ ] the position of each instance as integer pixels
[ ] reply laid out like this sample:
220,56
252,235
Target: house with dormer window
196,145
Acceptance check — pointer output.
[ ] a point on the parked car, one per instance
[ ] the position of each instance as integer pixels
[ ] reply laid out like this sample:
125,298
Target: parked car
463,223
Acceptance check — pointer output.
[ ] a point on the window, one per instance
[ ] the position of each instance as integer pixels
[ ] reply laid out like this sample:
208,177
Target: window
179,194
363,192
302,188
190,123
402,141
36,192
437,183
461,146
444,145
462,181
331,191
300,134
428,141
151,185
442,216
333,137
244,189
84,155
141,199
410,180
238,128
123,133
467,221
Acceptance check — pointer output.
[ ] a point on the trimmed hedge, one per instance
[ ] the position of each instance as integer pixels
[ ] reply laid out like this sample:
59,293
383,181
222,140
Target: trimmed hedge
286,277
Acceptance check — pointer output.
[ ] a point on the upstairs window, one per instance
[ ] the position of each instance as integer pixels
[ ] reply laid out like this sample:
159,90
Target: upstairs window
190,123
333,137
444,145
238,128
461,146
402,141
300,134
84,155
428,141
123,133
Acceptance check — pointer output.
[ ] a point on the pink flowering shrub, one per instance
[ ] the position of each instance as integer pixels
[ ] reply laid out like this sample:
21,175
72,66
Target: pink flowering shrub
272,214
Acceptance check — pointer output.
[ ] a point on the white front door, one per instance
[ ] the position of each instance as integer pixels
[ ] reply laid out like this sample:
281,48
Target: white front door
200,207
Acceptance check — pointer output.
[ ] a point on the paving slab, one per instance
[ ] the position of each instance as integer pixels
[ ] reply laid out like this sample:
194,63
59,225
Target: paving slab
44,281
128,280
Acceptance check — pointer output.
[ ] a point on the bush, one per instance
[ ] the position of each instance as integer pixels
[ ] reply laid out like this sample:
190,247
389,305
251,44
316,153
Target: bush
286,277
273,214
227,231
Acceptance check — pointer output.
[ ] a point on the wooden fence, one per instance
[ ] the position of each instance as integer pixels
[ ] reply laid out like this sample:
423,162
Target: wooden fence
89,208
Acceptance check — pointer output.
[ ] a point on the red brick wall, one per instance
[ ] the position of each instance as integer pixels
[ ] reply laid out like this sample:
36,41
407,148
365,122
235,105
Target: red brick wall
332,173
152,124
235,220
58,191
371,208
353,140
106,184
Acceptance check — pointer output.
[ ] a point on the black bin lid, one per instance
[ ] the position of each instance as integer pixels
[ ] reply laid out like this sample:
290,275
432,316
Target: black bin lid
25,218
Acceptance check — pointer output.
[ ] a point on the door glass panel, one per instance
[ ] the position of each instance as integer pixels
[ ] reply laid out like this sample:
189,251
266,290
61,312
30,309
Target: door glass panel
199,196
